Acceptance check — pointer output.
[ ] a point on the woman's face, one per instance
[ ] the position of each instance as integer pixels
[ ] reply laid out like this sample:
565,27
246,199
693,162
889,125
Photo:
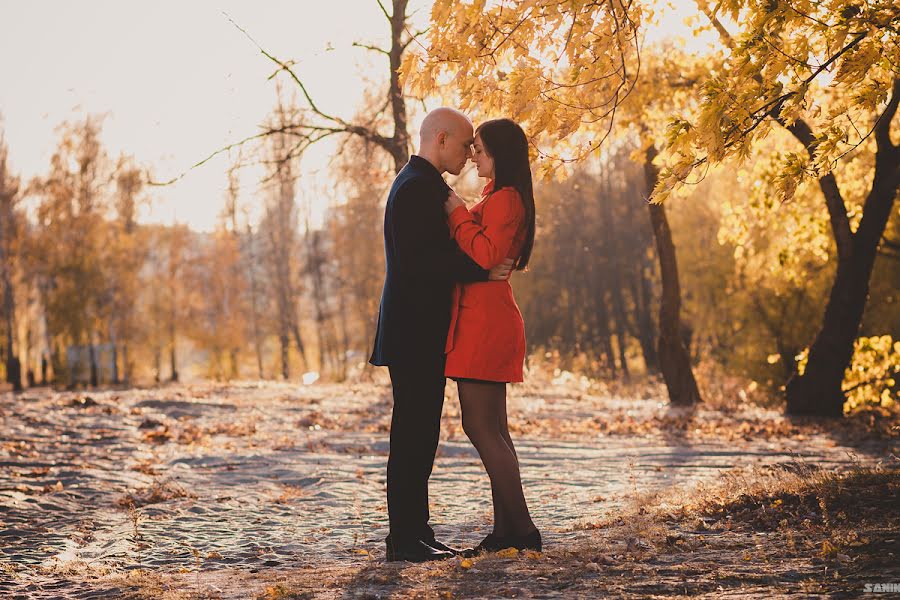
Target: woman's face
483,160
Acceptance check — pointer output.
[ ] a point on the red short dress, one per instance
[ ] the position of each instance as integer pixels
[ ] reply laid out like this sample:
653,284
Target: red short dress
487,335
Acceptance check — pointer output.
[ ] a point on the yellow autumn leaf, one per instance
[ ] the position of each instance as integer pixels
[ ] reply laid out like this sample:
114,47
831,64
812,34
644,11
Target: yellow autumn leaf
828,550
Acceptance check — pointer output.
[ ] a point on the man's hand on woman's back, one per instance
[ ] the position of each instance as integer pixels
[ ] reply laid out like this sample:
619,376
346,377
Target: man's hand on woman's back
502,271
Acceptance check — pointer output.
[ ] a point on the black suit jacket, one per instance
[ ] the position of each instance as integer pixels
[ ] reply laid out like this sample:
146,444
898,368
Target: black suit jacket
423,262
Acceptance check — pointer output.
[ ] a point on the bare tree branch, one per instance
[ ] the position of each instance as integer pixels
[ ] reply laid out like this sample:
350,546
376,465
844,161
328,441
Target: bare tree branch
237,144
307,133
283,66
384,10
414,37
372,48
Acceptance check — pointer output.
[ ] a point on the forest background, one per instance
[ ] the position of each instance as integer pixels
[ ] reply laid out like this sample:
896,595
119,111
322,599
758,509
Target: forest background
713,199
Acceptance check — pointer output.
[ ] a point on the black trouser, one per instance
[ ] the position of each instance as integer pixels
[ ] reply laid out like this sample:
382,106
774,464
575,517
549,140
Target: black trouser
415,430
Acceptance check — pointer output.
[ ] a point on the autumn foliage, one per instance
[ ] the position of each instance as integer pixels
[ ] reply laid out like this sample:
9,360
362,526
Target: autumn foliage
768,252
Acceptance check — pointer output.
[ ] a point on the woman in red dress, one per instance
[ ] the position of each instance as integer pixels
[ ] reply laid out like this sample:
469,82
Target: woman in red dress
486,342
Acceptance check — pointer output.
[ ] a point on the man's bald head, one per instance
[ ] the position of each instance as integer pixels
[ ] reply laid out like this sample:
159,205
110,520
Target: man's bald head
448,120
445,139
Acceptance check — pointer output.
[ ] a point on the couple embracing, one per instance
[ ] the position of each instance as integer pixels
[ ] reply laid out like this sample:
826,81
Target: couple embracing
447,310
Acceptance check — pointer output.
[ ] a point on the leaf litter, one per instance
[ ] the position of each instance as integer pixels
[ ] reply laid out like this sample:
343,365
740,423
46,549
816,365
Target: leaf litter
277,490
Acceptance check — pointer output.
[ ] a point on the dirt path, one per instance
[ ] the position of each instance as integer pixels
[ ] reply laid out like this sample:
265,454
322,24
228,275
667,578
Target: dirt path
210,484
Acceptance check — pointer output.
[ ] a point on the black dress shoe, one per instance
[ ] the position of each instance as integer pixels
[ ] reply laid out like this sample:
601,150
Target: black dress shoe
416,551
442,546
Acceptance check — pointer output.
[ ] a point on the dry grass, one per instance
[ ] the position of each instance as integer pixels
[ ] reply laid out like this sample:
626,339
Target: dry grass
156,492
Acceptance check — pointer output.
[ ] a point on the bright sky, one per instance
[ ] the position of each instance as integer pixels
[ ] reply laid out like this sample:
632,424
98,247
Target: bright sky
178,81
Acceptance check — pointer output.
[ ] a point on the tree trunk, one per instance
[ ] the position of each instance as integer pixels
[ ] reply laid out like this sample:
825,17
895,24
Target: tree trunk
818,391
173,364
95,380
233,368
674,359
619,321
285,368
345,337
53,368
157,364
173,311
295,329
13,366
257,342
126,366
399,143
14,373
620,324
640,289
115,355
115,364
603,329
9,189
623,361
315,262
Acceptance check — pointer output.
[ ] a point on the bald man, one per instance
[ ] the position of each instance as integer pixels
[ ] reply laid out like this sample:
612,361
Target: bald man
422,265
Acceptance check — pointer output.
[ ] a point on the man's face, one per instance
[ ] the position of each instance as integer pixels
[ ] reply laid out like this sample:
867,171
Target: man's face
457,148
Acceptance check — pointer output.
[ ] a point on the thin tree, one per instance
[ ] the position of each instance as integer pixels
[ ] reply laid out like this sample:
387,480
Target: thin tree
280,224
9,195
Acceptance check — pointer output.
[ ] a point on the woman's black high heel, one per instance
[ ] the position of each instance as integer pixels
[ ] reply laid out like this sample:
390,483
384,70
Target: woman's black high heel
529,541
491,543
495,543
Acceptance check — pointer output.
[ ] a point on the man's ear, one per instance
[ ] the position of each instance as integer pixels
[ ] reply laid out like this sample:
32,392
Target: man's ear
441,137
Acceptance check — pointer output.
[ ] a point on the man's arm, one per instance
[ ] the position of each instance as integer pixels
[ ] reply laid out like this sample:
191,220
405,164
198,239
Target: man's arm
499,272
424,250
462,268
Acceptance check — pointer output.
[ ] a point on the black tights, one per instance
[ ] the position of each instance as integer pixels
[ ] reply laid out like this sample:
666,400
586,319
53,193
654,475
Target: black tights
485,423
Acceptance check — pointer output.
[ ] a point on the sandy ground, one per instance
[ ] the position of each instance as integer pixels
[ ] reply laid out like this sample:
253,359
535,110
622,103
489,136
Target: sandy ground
215,490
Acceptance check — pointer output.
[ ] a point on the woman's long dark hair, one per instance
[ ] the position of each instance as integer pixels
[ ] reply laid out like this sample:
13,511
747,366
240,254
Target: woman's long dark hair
506,143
